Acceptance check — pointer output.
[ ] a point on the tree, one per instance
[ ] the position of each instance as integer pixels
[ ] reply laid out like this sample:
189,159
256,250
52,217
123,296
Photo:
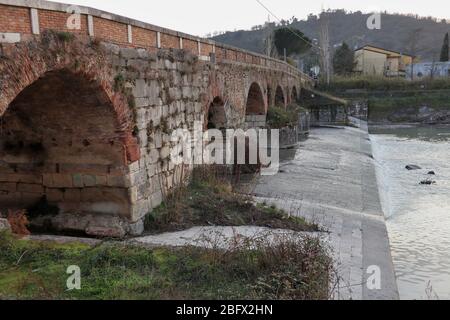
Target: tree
344,60
413,40
293,40
445,49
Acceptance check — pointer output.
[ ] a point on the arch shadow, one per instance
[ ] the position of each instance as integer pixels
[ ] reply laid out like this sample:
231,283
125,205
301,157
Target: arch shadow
280,100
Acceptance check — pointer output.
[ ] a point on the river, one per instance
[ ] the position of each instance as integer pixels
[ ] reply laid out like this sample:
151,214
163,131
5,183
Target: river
418,216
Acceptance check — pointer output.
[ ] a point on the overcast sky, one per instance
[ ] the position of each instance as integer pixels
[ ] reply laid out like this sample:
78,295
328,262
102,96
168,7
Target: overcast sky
199,17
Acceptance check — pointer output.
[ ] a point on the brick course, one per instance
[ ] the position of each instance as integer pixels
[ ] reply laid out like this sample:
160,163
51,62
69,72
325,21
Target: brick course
169,41
111,30
144,38
53,20
15,19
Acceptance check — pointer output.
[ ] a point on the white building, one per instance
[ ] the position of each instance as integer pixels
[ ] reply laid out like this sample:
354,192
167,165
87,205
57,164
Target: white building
428,70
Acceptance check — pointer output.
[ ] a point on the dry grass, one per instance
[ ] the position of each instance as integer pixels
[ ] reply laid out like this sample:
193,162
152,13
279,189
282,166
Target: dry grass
291,269
210,200
18,221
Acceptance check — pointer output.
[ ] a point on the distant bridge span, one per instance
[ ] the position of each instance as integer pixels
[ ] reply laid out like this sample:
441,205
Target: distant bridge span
86,113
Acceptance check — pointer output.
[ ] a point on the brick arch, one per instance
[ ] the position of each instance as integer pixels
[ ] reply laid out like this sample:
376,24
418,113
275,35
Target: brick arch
255,103
32,61
280,98
216,115
67,135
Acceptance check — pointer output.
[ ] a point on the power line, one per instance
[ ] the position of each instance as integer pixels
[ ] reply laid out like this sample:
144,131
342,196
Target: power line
290,29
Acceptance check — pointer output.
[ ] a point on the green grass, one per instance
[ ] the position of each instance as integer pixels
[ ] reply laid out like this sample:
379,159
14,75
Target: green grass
293,269
210,200
64,36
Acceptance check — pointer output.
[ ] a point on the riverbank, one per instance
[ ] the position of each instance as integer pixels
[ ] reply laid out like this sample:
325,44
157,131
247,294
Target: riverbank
331,180
392,101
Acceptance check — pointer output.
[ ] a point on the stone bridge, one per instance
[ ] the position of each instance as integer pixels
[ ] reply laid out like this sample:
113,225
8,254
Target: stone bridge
88,102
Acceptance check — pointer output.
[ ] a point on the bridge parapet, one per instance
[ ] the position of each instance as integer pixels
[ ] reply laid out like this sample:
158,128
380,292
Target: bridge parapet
21,18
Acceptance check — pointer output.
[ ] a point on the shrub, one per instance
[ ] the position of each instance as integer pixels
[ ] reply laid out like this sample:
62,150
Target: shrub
65,36
19,222
279,117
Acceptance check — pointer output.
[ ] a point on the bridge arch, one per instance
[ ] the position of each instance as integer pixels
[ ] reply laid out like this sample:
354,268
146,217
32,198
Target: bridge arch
255,111
294,94
217,118
255,100
91,65
280,100
67,135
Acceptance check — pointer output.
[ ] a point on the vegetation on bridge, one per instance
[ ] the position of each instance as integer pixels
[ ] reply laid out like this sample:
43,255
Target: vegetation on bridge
279,117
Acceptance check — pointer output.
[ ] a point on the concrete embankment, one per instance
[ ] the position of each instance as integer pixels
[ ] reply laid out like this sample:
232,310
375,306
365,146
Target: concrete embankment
331,180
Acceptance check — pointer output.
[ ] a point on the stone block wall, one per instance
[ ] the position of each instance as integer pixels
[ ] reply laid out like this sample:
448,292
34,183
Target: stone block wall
329,115
169,93
288,137
255,121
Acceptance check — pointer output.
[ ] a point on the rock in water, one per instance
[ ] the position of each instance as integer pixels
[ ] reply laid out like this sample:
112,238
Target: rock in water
432,173
413,167
427,182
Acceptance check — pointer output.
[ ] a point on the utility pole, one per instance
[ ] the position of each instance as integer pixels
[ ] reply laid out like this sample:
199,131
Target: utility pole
268,42
325,55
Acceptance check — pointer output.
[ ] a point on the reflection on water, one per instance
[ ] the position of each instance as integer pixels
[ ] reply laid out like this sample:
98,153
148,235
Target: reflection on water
418,216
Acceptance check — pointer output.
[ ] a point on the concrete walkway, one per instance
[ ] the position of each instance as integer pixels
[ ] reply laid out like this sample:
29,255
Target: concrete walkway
216,237
331,180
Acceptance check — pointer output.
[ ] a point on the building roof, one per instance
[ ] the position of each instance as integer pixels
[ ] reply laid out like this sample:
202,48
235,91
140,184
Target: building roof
372,48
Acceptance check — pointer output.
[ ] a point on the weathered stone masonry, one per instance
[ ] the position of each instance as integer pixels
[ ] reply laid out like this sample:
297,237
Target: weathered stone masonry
86,115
